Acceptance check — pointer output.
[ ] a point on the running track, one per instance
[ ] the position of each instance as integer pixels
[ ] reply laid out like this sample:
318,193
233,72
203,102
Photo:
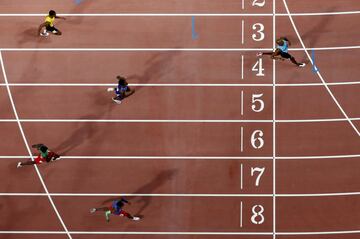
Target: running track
188,148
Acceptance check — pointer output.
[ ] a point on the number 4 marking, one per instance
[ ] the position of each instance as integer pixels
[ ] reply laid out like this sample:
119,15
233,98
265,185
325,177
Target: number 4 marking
261,172
258,67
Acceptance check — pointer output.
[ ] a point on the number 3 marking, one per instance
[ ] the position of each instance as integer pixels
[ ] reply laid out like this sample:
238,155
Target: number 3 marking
259,28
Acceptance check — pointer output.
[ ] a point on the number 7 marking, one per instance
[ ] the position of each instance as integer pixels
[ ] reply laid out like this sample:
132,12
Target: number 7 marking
261,172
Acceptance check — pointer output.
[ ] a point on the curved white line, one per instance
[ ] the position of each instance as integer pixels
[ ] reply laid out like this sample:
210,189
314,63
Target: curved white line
27,145
318,72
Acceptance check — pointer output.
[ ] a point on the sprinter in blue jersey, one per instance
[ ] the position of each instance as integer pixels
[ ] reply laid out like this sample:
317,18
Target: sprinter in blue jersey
281,52
122,90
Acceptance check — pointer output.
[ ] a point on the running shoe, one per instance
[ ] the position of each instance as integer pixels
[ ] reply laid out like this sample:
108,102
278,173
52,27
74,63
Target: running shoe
116,101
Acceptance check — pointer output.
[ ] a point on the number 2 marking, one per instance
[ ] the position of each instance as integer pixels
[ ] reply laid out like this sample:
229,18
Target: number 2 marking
258,3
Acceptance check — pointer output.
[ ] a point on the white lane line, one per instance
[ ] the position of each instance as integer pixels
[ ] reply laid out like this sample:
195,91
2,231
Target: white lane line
241,176
274,125
242,31
305,157
318,233
181,84
171,121
27,146
242,67
318,72
154,157
241,139
179,14
241,214
183,233
242,103
269,195
136,233
172,49
131,121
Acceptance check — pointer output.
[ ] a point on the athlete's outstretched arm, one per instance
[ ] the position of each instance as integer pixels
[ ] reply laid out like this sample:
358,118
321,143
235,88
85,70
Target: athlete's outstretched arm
63,18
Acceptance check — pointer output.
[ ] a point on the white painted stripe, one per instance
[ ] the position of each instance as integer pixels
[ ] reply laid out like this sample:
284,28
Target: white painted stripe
172,121
274,125
135,233
318,72
241,214
198,157
318,233
241,176
242,67
181,84
28,148
241,139
305,157
284,195
242,103
172,49
132,195
242,31
180,14
181,233
153,157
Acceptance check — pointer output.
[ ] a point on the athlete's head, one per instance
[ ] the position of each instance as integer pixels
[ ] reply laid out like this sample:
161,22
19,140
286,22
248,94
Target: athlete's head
121,81
120,204
43,149
280,42
52,13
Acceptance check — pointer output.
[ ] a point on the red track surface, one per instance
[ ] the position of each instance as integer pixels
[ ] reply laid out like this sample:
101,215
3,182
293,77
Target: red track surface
175,148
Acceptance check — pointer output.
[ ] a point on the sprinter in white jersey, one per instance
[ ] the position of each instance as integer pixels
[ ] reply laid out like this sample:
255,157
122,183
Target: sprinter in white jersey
281,52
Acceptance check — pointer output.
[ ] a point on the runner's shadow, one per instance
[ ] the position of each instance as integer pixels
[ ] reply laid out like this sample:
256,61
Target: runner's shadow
157,67
312,36
87,130
148,188
31,35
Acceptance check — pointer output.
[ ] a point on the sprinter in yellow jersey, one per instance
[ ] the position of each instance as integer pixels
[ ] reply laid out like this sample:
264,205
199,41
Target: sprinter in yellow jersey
49,25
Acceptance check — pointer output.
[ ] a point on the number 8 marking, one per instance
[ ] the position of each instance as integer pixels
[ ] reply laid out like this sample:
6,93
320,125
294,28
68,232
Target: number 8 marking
259,28
257,214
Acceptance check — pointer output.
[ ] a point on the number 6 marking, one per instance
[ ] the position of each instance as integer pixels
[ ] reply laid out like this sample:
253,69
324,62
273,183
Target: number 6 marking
257,142
259,28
